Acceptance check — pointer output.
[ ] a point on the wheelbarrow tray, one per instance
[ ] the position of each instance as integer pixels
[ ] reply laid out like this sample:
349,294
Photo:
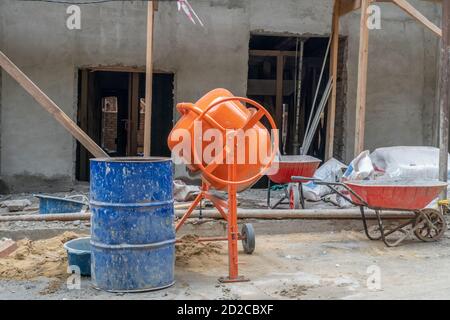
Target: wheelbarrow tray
51,204
398,194
290,166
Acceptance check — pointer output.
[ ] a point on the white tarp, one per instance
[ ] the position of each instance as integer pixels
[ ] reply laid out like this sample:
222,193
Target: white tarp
406,163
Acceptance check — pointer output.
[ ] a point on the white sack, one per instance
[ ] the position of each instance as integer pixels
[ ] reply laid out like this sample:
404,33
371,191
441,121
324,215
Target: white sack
330,171
406,162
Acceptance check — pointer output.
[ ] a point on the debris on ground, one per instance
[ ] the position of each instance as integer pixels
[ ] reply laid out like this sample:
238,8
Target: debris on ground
53,286
16,205
41,258
294,291
7,246
189,246
330,171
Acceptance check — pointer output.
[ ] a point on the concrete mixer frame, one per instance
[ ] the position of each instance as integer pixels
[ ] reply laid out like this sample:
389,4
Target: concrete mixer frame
228,209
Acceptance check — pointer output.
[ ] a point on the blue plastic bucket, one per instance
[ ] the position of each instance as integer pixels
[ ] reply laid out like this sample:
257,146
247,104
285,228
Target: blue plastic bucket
132,233
79,254
50,204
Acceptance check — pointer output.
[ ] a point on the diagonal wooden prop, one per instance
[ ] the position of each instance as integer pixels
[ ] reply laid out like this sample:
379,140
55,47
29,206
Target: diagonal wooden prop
51,106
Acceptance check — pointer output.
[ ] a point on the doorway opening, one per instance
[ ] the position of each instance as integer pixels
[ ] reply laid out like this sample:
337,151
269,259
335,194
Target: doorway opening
111,111
283,76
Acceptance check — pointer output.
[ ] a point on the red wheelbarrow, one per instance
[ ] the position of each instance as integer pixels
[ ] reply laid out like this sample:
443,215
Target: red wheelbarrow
428,224
288,167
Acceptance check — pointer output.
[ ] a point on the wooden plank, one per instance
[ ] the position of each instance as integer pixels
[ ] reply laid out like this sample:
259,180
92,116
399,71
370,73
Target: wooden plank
413,12
298,100
331,115
115,68
346,6
362,79
271,53
444,98
50,106
279,90
133,114
148,82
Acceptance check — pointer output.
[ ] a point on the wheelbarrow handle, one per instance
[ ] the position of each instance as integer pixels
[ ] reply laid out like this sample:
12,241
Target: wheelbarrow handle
332,186
301,179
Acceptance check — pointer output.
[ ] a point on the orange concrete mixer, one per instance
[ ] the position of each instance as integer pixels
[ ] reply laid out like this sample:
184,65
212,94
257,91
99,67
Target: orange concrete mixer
242,151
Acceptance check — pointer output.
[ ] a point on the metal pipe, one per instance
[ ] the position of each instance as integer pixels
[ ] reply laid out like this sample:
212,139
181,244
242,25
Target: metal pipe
269,214
312,130
307,214
46,217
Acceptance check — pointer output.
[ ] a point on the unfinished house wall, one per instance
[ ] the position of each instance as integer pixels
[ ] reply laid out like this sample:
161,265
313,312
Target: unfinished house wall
35,149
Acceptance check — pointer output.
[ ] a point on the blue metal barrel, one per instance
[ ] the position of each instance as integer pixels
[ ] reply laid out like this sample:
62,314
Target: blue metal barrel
132,233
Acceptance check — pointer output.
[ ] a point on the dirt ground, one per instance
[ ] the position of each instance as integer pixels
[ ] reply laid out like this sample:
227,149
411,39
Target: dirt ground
294,259
317,265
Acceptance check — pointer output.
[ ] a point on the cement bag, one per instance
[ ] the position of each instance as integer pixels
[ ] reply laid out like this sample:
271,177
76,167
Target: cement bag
360,168
406,162
330,171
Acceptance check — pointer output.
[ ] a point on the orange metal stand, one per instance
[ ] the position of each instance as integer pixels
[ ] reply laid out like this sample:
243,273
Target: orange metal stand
233,234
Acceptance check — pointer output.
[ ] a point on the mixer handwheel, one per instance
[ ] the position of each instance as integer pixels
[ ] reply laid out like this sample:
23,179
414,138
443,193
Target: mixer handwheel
248,238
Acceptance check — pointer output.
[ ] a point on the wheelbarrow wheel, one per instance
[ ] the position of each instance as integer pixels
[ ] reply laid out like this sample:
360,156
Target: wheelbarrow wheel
294,196
248,238
430,225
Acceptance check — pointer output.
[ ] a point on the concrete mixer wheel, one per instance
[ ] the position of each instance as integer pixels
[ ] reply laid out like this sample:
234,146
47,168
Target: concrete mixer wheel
248,238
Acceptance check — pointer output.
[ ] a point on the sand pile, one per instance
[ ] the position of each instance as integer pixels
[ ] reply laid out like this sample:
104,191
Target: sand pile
189,247
42,258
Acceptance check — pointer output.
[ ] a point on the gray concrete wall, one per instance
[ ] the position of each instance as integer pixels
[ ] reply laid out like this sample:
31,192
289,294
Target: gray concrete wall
34,148
401,78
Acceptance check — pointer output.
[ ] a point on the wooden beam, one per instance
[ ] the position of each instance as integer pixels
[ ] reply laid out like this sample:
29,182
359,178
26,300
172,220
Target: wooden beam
271,53
148,81
115,69
279,90
50,106
362,79
346,6
413,12
444,98
331,116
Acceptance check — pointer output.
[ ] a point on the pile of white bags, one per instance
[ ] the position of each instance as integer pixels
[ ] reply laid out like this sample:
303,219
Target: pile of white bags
390,163
330,171
406,163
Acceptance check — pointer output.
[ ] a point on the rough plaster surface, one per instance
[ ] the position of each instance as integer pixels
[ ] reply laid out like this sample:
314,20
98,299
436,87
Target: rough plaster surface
402,68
